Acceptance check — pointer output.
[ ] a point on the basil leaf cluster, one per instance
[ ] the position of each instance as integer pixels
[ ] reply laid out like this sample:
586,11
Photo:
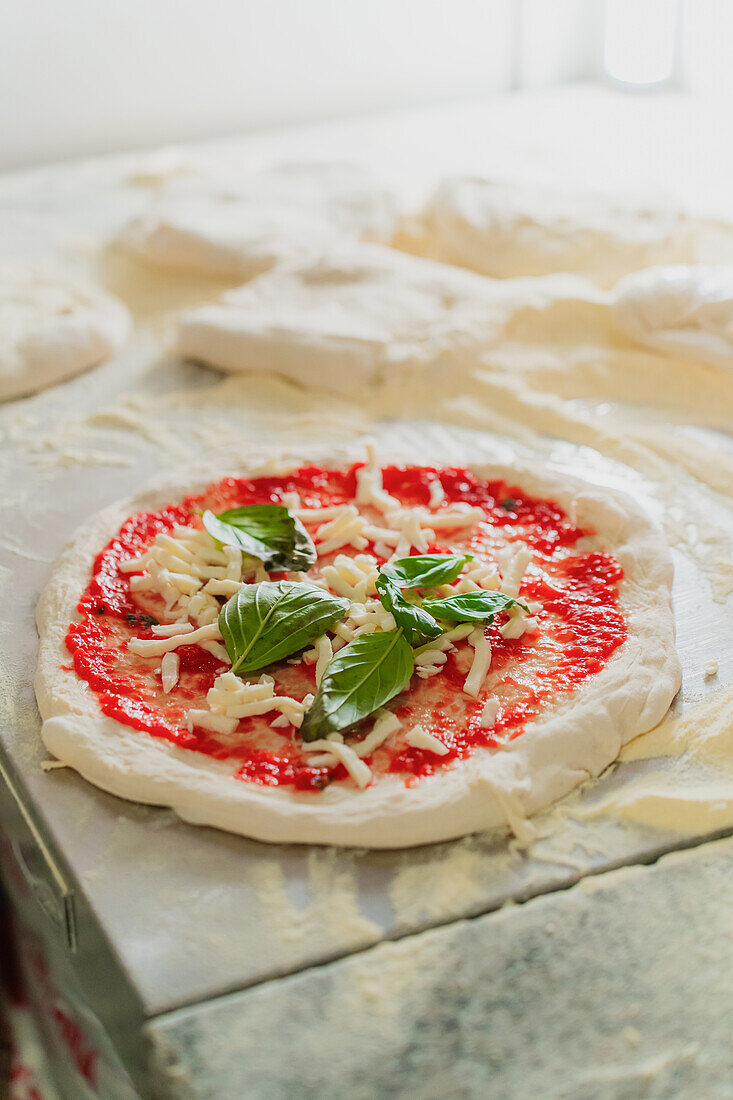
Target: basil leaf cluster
372,669
269,532
267,622
416,623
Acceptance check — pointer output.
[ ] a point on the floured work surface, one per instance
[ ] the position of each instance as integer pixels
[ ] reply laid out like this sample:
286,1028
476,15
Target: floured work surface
193,912
531,1000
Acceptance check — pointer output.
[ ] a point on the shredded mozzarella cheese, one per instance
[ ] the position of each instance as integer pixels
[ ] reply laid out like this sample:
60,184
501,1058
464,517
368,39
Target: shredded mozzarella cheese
217,723
518,624
385,725
189,571
455,516
235,698
411,533
480,664
320,515
224,587
444,643
488,714
419,738
369,485
324,651
345,530
429,663
478,575
343,630
354,578
169,669
437,493
343,754
154,647
366,618
513,565
167,630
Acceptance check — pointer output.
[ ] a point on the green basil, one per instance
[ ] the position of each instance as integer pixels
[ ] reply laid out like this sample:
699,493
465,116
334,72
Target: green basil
359,679
269,621
471,606
416,623
425,570
266,531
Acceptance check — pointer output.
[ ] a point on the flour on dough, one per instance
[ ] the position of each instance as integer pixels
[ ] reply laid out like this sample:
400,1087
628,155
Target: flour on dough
52,326
239,225
514,229
349,315
685,309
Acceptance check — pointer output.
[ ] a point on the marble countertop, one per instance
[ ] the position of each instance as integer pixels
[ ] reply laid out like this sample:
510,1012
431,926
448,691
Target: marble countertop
616,989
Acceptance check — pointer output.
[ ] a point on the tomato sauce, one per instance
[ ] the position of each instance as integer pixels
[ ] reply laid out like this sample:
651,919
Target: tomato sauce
580,626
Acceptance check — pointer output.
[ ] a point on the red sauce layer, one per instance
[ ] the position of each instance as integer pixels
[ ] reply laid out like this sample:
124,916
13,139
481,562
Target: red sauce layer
580,627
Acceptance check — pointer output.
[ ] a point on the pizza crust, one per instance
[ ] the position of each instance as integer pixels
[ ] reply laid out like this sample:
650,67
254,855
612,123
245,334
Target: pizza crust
578,739
52,326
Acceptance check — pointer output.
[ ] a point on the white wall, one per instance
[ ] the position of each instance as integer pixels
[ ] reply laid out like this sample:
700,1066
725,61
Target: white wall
92,76
80,76
89,76
707,37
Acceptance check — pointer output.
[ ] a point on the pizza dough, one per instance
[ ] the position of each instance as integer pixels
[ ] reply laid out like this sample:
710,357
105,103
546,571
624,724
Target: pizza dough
577,737
513,229
349,315
52,326
238,226
683,309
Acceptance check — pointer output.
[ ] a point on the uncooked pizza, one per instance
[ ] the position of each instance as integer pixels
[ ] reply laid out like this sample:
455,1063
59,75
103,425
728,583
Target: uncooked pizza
364,654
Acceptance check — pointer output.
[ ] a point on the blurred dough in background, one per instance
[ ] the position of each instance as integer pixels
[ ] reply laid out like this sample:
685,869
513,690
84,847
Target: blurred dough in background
53,325
350,315
506,229
683,309
238,225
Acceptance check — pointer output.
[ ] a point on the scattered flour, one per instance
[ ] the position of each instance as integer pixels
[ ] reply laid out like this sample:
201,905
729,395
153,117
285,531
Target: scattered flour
331,908
690,788
427,890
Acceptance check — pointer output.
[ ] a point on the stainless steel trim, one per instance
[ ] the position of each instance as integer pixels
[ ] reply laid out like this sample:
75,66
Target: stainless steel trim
53,894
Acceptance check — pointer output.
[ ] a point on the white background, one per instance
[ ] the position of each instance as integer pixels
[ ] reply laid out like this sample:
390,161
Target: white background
92,76
79,76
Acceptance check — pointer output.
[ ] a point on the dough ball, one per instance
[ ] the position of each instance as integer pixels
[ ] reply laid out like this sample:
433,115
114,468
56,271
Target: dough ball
686,309
506,230
350,315
238,226
52,326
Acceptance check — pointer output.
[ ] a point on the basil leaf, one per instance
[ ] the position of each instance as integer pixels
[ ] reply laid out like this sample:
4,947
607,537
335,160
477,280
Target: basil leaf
468,607
416,623
362,677
269,621
265,531
425,570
